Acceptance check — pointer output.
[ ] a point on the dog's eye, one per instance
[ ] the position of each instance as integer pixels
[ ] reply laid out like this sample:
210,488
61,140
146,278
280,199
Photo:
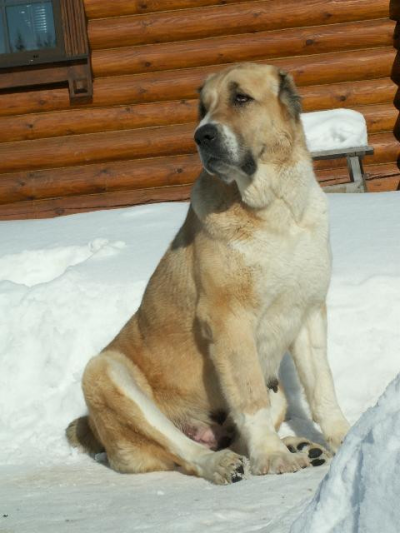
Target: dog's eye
242,98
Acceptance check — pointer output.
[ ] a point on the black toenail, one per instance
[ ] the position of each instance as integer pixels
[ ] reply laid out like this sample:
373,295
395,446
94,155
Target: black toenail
291,448
318,462
240,469
302,445
237,476
314,452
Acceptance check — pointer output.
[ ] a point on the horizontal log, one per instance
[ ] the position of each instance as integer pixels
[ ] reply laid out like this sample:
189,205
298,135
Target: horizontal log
372,172
131,175
106,146
157,172
261,45
386,170
227,20
372,186
99,178
347,94
318,69
78,204
380,117
92,120
129,144
379,178
116,8
92,202
384,184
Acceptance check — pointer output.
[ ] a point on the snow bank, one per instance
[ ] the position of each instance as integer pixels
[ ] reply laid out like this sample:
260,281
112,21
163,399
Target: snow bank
67,286
360,492
334,129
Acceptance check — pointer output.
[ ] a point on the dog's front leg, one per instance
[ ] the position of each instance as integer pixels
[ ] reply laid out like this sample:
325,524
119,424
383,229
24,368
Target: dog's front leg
309,352
234,353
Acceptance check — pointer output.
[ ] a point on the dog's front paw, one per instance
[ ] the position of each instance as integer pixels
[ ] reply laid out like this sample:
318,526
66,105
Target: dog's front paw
317,454
278,463
225,467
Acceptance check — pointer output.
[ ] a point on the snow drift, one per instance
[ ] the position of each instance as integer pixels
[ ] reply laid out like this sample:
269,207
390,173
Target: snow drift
359,494
68,285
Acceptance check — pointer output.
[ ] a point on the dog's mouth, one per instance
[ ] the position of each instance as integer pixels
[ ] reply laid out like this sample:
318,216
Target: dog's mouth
227,169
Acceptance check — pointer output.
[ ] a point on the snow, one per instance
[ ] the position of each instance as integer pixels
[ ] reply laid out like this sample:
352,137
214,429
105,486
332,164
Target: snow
334,129
67,285
358,492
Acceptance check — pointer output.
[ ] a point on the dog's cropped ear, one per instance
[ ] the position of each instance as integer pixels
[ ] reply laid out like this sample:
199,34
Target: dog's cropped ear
288,94
201,108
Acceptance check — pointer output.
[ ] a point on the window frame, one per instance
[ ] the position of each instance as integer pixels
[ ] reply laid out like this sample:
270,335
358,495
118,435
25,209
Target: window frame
71,67
39,56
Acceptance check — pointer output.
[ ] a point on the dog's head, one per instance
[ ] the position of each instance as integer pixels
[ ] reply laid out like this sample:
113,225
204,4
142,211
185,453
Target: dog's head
248,114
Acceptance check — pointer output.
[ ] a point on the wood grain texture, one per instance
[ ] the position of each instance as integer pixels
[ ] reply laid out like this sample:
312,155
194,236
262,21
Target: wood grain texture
91,119
380,117
106,146
136,144
91,202
78,204
347,94
319,69
246,47
227,20
161,171
99,178
74,22
117,8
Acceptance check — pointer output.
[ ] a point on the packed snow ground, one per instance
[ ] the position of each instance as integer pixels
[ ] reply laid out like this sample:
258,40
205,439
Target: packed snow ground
67,285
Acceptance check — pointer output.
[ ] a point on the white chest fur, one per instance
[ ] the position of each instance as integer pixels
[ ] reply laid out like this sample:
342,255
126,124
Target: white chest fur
290,269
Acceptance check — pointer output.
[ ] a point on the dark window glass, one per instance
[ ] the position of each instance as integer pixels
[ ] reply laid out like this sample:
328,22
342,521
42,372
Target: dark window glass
2,36
30,26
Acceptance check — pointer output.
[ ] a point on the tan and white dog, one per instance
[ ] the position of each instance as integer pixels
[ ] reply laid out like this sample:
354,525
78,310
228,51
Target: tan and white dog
192,378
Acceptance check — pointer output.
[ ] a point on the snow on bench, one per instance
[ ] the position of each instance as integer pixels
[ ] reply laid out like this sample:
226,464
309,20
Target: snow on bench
339,133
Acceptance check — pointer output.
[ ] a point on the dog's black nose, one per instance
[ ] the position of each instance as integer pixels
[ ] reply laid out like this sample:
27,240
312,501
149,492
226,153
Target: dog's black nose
206,135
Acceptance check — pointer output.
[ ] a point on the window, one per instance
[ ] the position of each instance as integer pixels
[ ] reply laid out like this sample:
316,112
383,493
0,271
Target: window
30,32
44,42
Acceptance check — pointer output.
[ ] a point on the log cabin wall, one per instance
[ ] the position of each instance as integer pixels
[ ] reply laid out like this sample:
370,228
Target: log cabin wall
134,144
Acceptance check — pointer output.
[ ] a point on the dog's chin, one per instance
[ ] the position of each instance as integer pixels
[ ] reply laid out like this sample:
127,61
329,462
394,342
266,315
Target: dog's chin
229,171
217,167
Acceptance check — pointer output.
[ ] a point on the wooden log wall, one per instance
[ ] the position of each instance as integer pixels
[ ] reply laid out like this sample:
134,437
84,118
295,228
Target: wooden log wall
134,144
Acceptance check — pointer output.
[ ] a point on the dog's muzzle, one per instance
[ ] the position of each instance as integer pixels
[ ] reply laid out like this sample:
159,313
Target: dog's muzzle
207,138
220,152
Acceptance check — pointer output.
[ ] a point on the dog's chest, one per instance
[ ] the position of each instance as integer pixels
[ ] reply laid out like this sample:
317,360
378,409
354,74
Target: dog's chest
289,275
292,266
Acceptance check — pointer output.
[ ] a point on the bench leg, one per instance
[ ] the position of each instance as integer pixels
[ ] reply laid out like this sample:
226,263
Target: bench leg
356,171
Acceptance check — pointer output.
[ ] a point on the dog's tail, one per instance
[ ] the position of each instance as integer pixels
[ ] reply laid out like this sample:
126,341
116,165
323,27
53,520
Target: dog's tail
80,435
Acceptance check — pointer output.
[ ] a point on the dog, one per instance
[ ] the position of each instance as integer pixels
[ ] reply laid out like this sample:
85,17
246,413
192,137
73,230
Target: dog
191,381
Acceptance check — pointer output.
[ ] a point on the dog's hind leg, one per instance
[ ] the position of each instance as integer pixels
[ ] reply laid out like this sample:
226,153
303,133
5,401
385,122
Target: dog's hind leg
137,436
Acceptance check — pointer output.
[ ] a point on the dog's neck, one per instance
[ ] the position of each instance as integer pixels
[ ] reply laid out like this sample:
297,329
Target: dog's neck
282,186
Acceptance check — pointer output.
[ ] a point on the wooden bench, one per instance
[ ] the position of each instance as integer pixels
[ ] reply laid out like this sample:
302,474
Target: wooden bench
354,157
